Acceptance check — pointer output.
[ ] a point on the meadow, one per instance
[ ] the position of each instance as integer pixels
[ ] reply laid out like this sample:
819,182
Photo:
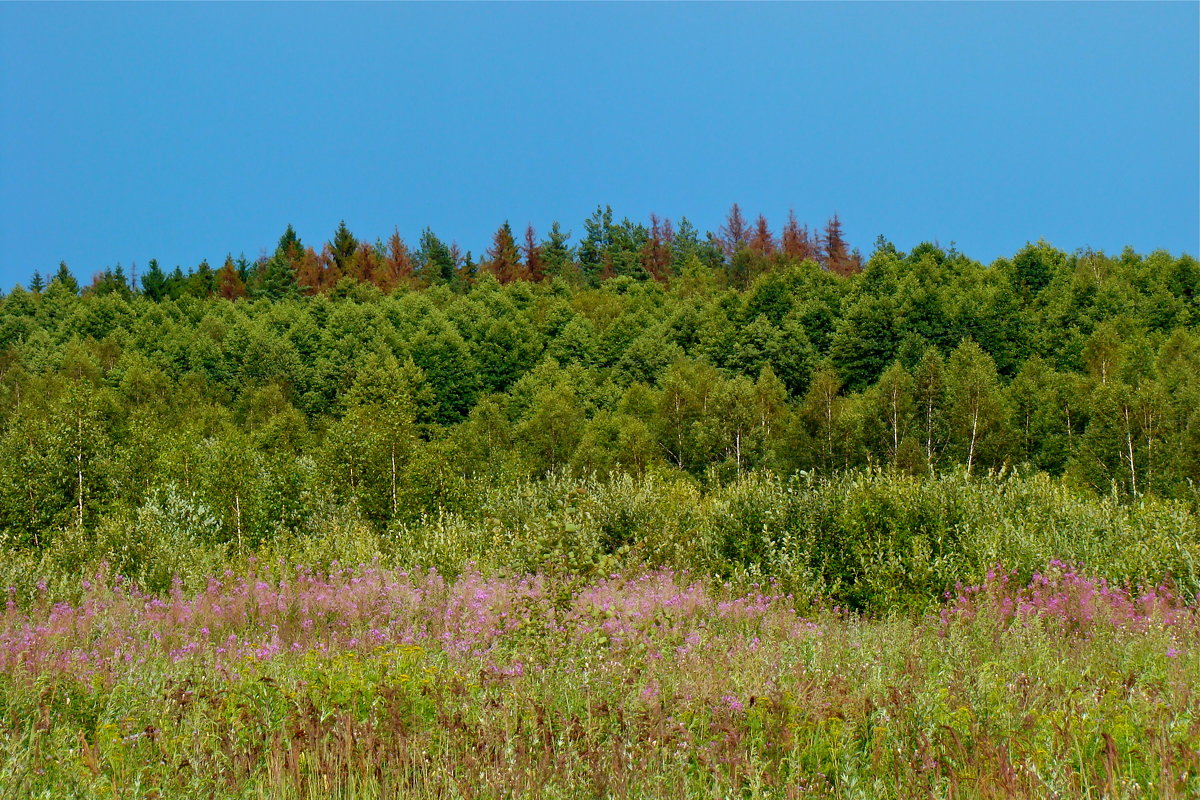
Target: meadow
658,514
558,659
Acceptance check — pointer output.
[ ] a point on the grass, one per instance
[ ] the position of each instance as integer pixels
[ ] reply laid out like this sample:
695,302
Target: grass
375,682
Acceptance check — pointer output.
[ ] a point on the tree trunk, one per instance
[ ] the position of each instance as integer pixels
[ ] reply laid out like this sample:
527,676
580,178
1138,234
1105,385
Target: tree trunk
237,510
974,432
79,463
393,480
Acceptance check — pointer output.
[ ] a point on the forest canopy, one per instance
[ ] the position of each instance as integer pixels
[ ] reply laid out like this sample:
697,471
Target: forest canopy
391,379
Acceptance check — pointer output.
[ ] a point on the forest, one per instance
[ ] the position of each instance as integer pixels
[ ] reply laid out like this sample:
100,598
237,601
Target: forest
389,382
845,436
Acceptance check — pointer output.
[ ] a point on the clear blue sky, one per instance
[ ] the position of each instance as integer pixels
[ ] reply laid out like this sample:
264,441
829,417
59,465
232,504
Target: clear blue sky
183,132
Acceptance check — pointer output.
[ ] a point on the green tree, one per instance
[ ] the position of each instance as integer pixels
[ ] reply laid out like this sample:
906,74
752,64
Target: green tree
65,279
974,406
435,263
344,248
687,389
889,411
276,277
552,426
154,281
557,258
865,341
822,415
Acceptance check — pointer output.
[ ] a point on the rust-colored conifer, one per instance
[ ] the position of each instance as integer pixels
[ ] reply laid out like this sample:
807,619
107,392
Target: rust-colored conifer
308,272
656,251
796,242
327,269
534,269
837,255
734,232
762,241
229,284
365,263
397,267
503,258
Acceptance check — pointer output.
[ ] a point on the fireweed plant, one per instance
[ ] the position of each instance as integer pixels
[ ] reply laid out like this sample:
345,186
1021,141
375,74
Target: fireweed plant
367,681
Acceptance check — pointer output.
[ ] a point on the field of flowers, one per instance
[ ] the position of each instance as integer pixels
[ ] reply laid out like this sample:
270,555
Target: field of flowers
370,681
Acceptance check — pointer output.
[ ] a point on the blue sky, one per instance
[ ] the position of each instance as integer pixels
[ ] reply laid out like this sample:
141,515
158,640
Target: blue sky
185,131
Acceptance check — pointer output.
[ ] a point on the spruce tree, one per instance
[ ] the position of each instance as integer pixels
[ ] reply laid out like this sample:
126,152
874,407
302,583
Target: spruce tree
66,279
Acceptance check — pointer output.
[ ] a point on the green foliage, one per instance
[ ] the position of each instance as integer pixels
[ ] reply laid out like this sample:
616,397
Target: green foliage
272,409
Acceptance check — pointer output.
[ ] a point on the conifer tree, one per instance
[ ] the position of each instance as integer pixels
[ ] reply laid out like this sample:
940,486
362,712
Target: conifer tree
734,234
203,281
434,259
229,283
309,273
275,277
344,247
398,266
365,263
837,257
534,268
762,241
796,241
503,259
595,256
656,252
685,245
67,280
557,260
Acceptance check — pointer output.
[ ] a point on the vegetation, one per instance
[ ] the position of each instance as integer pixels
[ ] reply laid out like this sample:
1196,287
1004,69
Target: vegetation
376,683
647,514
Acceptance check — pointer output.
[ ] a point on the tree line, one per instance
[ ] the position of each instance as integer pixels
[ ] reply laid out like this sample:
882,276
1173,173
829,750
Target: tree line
394,383
660,251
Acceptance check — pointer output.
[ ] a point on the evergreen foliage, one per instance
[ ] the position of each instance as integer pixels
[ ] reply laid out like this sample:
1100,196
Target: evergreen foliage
388,382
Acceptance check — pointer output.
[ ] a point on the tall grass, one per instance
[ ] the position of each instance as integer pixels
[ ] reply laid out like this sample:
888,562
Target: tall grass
650,636
378,683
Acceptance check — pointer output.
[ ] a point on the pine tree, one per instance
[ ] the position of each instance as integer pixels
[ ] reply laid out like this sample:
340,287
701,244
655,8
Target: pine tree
838,259
67,280
434,259
175,284
365,263
503,259
275,277
203,281
734,233
685,246
397,267
557,260
309,276
244,267
656,252
229,283
468,270
762,241
595,256
344,247
289,246
534,268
